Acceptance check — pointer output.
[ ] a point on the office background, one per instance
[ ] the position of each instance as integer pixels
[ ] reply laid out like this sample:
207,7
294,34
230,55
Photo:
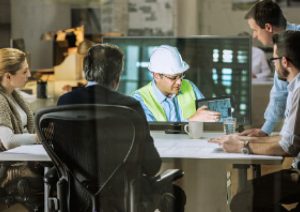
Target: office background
31,18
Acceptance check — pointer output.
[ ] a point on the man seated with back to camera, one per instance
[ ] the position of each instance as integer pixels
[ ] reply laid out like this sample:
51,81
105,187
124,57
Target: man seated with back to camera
103,65
168,97
268,192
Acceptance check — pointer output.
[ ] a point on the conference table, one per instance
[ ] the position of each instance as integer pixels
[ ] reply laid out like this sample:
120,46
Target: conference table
205,166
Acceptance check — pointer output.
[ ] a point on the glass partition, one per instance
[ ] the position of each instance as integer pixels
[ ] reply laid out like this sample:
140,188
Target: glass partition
219,66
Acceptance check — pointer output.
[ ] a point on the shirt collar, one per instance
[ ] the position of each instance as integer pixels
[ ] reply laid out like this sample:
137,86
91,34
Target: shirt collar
91,83
290,26
293,83
159,95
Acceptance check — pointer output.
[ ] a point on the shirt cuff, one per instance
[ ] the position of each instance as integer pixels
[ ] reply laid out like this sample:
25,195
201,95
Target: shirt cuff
24,139
268,127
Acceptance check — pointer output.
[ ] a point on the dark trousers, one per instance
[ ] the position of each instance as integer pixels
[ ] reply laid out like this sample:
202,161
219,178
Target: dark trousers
268,192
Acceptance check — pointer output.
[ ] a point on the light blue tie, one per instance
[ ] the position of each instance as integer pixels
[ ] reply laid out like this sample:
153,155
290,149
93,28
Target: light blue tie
173,112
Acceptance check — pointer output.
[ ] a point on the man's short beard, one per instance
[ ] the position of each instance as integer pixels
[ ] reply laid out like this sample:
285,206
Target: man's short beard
284,74
282,79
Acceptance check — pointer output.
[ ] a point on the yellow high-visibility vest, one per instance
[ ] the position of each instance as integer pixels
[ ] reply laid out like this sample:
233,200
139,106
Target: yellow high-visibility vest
186,100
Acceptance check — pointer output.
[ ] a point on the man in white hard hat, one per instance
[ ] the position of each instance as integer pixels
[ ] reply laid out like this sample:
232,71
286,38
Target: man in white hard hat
169,97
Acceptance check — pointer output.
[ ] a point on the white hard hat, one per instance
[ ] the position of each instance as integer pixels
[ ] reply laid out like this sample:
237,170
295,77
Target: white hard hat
167,60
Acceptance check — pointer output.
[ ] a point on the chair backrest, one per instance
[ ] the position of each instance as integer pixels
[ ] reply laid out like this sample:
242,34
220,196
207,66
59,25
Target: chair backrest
96,149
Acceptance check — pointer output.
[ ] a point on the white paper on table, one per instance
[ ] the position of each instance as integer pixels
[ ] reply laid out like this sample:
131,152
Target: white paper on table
186,148
28,149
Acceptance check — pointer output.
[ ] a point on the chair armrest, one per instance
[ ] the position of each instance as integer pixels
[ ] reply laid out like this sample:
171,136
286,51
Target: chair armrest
51,176
169,176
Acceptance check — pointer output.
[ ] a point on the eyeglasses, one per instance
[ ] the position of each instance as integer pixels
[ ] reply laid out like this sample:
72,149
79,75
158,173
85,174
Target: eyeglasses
274,58
173,78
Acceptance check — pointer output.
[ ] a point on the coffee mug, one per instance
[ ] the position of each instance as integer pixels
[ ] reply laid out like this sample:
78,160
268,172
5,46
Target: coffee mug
194,129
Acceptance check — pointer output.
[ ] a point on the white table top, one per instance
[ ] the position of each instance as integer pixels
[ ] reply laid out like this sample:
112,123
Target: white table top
25,153
181,146
168,146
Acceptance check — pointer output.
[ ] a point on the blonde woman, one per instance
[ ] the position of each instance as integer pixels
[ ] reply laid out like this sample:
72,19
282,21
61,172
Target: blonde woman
16,119
17,128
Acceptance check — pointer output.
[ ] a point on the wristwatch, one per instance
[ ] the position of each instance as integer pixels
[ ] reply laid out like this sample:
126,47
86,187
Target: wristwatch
246,149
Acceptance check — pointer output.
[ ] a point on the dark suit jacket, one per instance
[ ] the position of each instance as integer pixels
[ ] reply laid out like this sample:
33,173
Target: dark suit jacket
98,94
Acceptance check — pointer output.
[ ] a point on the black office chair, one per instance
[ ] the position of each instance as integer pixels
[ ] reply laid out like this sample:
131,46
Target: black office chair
96,150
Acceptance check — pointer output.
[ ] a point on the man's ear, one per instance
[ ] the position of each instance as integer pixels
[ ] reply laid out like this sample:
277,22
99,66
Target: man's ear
115,83
269,27
7,75
156,76
285,62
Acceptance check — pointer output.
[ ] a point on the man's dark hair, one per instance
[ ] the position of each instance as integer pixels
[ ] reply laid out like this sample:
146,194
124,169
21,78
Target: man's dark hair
267,11
288,46
103,64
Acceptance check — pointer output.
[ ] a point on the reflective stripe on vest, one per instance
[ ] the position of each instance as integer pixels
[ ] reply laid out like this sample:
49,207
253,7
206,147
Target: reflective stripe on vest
186,100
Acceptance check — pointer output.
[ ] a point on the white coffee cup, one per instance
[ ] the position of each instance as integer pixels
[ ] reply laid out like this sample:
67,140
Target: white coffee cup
194,129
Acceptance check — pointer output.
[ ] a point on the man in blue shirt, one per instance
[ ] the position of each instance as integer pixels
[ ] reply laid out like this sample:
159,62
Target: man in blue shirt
268,192
265,19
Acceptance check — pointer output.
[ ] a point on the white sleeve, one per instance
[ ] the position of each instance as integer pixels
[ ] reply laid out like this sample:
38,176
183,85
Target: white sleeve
11,140
265,70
